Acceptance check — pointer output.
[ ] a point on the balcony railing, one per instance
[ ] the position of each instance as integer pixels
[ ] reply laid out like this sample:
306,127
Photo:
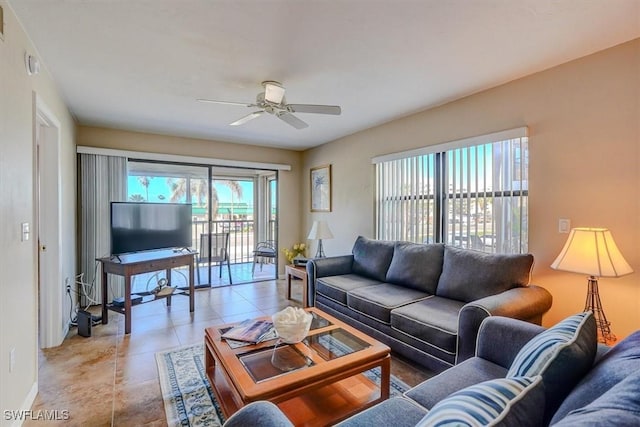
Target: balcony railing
241,237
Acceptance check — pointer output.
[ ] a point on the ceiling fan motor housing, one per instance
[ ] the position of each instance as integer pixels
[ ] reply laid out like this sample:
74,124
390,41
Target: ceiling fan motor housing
268,106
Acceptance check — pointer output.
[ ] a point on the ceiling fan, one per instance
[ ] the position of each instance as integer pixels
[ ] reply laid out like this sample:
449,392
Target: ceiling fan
272,101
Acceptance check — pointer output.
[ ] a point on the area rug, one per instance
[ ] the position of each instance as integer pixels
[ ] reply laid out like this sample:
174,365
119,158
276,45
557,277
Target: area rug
187,395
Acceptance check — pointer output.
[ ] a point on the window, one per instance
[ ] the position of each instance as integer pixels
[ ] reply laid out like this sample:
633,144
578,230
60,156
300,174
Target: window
471,193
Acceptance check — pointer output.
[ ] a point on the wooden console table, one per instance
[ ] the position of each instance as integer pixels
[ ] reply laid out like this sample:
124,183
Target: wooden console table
138,263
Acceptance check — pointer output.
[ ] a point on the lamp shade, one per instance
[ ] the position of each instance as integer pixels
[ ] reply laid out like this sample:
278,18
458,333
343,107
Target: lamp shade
320,230
592,251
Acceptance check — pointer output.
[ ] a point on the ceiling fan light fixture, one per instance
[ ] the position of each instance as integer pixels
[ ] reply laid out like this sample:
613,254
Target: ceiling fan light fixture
273,92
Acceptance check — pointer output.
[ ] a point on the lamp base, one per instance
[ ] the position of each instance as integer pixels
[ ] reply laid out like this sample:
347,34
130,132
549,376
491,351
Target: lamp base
320,251
594,305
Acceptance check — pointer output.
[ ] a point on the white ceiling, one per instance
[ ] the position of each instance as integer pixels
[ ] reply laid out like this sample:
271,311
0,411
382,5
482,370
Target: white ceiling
141,64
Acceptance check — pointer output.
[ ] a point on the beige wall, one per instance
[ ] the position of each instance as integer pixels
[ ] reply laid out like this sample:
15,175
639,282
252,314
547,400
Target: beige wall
18,261
583,119
289,181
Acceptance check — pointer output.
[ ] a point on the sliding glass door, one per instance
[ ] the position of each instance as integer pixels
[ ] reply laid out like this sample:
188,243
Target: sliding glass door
233,210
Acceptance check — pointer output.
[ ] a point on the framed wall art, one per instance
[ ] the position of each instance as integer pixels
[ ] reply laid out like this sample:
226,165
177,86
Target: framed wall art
321,188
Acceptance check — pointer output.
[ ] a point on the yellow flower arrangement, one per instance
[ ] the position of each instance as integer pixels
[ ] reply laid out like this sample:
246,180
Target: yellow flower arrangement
297,249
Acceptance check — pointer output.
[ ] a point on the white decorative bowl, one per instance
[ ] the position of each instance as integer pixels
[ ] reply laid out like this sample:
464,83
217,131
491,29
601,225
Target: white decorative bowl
292,324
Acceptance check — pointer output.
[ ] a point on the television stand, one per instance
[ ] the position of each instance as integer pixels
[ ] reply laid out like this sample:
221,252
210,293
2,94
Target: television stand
146,262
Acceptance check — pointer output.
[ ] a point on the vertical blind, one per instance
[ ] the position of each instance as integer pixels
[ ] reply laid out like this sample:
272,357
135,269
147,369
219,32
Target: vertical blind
471,193
101,179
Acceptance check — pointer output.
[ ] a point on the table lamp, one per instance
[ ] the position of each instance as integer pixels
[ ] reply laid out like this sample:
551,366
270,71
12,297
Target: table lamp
320,230
592,251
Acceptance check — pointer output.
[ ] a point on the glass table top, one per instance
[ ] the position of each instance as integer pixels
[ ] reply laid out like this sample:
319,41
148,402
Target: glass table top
318,321
334,343
280,359
274,361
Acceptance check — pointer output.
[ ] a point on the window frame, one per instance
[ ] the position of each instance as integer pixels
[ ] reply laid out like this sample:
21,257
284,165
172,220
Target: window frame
445,194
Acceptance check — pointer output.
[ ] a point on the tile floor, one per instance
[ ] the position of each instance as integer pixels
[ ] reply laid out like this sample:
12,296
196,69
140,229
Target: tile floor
111,379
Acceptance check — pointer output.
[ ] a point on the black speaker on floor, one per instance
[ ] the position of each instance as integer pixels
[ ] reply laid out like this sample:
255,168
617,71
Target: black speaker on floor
84,323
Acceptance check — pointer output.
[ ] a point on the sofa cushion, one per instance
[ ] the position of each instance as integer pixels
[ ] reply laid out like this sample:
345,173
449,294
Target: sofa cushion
471,371
433,320
378,301
396,411
416,266
371,258
562,354
619,406
262,413
503,401
468,275
336,287
622,361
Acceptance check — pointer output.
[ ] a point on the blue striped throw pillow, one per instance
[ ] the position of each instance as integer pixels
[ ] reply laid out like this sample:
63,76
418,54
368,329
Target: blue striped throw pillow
541,350
562,355
503,401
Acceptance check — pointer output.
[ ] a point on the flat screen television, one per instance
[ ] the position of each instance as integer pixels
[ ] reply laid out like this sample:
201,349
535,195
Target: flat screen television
137,227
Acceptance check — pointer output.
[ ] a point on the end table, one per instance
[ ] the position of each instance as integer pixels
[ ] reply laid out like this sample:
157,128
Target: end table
300,272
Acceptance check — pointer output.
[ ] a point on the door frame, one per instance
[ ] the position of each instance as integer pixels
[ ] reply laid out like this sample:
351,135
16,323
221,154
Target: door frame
52,326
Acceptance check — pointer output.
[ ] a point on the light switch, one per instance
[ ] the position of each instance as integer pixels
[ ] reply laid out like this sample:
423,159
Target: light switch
25,231
564,225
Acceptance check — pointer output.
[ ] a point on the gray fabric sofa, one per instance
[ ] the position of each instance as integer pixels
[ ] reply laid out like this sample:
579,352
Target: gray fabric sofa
426,301
583,384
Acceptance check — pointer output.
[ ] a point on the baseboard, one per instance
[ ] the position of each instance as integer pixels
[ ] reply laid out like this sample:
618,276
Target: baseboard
66,329
27,404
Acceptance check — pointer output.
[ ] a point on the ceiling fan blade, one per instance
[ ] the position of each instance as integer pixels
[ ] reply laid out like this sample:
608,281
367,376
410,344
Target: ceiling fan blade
247,118
318,109
273,92
289,118
212,101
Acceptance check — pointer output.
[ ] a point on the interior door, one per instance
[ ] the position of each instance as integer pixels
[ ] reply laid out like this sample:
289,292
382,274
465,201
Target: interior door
51,290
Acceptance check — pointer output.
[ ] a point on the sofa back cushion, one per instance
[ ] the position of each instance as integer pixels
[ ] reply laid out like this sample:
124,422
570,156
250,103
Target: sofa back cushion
622,361
469,275
618,406
371,258
416,266
562,355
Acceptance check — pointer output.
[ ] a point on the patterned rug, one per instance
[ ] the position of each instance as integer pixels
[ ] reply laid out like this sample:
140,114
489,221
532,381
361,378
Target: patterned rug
188,398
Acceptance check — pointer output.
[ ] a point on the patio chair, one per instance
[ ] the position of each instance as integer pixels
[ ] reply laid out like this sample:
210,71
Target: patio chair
264,252
219,252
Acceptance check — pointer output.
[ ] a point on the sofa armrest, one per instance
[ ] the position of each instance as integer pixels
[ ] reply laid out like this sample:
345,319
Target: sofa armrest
527,303
323,267
501,338
261,413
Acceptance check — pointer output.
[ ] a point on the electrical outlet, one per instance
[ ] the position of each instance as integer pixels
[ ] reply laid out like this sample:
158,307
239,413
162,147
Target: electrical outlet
12,359
564,225
25,232
67,285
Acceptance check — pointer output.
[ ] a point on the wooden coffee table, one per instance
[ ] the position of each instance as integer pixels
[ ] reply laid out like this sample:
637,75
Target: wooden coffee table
317,382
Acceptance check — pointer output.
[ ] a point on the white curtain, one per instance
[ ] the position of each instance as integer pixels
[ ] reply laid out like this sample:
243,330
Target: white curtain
101,180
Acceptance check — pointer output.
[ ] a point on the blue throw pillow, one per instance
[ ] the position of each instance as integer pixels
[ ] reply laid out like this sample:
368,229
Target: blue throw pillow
562,355
503,401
